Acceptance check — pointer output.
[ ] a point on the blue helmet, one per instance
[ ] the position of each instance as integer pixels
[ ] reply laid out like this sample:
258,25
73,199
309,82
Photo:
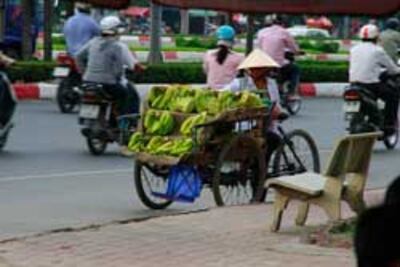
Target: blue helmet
226,33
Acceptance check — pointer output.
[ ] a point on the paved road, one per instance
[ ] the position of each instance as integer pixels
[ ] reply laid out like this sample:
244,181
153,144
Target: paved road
48,180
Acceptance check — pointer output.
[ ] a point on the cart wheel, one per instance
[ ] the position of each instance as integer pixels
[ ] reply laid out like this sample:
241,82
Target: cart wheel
239,172
298,155
147,181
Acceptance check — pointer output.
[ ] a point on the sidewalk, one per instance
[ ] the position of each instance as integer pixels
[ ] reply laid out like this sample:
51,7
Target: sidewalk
232,236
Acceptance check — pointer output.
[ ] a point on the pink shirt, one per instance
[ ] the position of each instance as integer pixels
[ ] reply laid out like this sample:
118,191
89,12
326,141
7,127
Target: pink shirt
275,40
218,76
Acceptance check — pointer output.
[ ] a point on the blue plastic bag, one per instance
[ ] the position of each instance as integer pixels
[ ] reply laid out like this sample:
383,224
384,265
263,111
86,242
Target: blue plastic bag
184,184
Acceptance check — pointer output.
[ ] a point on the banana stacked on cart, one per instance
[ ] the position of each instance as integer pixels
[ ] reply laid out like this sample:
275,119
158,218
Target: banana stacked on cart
171,113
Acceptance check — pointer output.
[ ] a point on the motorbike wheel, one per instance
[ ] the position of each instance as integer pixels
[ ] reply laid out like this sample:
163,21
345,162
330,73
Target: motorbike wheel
67,99
96,146
391,141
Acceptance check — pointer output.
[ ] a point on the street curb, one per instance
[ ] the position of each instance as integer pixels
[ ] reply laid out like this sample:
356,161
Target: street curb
42,91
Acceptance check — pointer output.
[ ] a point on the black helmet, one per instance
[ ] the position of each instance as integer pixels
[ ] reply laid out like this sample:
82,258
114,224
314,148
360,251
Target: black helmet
393,23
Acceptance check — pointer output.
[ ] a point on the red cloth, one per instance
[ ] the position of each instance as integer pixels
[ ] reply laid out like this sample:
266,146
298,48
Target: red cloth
360,7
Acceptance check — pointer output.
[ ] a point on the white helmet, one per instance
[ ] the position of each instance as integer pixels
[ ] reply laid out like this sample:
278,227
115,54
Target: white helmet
369,31
110,25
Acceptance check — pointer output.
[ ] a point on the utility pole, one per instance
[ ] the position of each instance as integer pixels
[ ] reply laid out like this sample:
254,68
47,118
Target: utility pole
27,29
155,55
48,22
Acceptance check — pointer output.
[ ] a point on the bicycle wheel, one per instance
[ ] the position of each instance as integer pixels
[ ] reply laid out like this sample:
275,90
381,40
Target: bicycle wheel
297,154
239,173
146,182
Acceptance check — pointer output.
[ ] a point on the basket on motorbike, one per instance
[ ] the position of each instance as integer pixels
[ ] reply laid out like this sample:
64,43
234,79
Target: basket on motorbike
224,149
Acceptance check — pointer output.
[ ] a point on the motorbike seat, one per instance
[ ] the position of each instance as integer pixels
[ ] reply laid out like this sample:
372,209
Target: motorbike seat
96,90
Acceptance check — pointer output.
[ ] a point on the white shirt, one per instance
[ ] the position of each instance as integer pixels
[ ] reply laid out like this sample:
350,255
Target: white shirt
368,61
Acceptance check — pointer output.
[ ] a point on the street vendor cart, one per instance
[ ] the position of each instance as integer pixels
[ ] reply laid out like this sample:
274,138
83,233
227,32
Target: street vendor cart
227,153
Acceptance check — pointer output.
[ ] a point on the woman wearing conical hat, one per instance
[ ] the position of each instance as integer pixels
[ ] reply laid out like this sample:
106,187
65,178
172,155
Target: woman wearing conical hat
257,67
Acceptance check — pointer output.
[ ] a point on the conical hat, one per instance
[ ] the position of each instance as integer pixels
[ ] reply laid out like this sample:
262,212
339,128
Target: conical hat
258,59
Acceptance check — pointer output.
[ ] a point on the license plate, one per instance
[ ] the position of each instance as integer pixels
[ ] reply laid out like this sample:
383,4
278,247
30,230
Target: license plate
352,106
89,111
61,72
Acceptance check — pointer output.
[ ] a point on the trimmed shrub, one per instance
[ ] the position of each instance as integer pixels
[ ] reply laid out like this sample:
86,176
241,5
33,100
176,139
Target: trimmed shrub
311,71
196,42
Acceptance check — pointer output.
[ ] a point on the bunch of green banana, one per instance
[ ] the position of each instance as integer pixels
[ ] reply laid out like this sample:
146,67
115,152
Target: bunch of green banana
159,122
181,147
155,97
165,148
227,100
154,143
183,104
137,142
206,100
191,122
249,100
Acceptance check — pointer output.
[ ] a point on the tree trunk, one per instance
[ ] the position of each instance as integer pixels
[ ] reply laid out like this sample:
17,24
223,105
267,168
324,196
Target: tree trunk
250,34
155,55
48,22
27,29
184,21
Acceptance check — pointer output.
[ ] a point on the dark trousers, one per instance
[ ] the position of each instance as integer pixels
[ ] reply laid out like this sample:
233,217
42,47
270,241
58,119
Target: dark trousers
391,99
7,103
290,72
273,142
127,98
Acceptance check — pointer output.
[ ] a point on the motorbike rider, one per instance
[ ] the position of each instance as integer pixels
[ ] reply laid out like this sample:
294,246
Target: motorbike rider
277,42
390,38
103,61
80,28
220,65
367,62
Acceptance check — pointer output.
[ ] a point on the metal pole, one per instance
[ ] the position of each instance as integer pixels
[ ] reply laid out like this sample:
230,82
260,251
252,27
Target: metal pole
48,22
155,55
250,33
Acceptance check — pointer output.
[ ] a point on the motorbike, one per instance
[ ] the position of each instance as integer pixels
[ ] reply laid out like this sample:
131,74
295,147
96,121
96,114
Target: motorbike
68,97
100,121
364,111
8,104
289,93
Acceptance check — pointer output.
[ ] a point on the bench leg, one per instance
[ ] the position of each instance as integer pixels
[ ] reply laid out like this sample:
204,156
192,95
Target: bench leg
302,213
356,203
280,204
332,209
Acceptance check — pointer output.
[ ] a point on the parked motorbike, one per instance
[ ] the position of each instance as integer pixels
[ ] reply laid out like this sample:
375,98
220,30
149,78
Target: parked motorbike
68,97
100,121
8,104
289,92
364,112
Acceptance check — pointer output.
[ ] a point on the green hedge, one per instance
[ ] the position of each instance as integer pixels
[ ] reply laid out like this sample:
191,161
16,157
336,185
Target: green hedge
322,46
196,42
311,71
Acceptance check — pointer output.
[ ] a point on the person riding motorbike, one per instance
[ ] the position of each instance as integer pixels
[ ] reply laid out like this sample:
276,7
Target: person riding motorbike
367,63
220,65
104,60
390,38
80,28
277,42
